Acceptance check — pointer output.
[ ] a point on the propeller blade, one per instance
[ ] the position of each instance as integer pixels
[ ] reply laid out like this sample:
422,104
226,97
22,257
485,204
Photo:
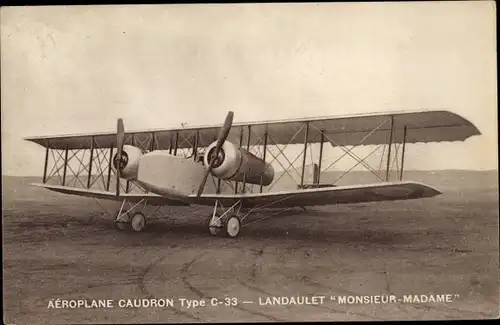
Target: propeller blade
202,186
224,132
120,136
120,133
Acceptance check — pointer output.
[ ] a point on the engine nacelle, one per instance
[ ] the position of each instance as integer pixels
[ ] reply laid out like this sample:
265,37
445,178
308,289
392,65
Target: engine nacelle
129,163
237,164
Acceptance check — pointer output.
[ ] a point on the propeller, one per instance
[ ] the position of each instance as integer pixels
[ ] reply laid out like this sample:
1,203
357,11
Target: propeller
224,132
120,135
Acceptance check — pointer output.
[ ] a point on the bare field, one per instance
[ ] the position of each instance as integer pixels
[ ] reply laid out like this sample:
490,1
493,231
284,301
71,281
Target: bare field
65,247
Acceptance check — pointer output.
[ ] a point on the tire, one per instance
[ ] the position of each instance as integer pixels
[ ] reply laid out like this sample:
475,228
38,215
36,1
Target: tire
122,226
232,226
216,229
138,222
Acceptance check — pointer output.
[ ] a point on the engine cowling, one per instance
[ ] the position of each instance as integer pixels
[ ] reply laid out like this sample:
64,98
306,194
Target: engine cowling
129,163
237,164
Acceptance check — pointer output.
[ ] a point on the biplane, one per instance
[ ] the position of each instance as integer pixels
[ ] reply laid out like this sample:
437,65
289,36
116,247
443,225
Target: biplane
230,166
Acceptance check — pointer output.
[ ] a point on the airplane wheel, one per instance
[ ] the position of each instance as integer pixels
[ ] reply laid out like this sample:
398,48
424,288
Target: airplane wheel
232,226
138,221
123,225
214,225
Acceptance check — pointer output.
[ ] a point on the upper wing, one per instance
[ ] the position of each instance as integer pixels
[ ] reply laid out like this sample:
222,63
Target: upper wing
152,199
387,191
421,126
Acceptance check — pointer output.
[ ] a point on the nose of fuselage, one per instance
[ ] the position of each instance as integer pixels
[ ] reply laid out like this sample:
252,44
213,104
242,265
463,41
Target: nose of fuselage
169,175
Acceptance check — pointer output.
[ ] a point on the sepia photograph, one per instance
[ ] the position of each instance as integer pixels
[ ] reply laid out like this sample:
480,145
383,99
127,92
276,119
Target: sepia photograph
244,162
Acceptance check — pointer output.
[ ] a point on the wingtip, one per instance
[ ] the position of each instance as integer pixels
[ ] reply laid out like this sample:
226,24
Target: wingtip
430,190
475,129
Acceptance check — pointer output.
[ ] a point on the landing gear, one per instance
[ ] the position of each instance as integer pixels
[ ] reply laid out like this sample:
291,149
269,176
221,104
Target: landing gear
130,219
227,223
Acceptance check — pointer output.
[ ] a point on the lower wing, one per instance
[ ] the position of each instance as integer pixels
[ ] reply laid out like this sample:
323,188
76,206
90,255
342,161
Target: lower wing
153,199
388,191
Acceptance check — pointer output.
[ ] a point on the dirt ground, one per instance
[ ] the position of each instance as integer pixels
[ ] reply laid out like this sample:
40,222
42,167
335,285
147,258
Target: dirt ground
57,246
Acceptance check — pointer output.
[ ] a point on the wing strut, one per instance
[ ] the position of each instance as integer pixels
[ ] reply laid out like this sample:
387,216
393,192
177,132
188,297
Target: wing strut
120,136
389,152
305,154
46,163
403,155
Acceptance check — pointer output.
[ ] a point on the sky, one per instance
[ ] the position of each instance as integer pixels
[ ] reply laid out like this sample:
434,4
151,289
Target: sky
76,69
